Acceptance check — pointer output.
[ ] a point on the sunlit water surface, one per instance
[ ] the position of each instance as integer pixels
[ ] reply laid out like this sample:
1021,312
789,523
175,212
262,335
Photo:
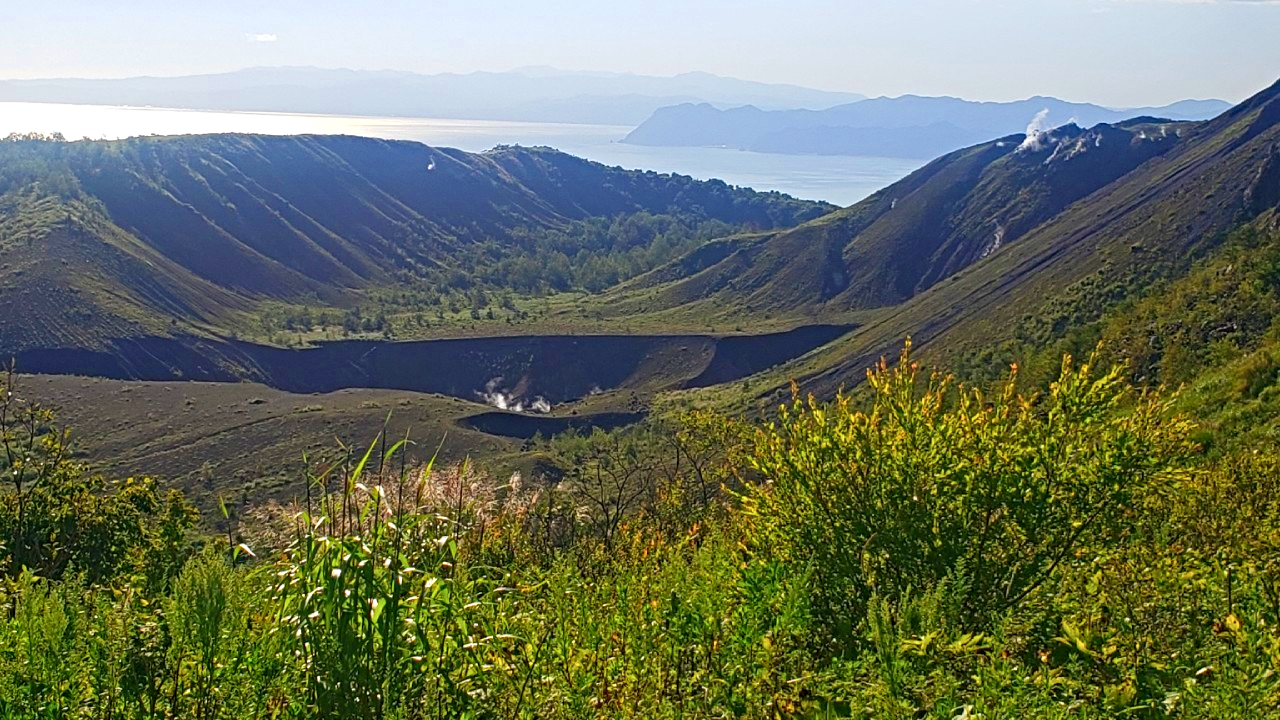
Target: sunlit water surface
841,180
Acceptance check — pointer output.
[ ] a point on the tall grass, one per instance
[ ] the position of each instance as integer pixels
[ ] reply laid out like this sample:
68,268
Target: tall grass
380,605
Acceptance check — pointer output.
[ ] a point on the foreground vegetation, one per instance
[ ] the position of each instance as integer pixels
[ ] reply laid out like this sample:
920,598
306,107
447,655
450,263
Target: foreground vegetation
925,551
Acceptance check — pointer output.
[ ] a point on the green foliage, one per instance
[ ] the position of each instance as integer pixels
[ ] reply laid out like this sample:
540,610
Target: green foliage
1226,305
936,553
36,163
594,254
207,620
677,473
380,606
933,482
1213,328
58,519
1257,373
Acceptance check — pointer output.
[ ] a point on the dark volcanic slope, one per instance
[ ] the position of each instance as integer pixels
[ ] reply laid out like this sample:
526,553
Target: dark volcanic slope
556,368
1149,224
941,219
103,240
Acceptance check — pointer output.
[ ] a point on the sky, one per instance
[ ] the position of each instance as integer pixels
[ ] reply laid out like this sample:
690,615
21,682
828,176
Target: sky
1112,52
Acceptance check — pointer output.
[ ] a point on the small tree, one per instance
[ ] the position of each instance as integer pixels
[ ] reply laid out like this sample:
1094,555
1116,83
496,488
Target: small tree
56,516
612,477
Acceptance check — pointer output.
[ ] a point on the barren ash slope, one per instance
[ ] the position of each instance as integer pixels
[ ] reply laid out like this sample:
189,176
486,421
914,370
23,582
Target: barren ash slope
957,254
904,239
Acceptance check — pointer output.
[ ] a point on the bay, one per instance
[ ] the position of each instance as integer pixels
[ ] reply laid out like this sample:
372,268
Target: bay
842,180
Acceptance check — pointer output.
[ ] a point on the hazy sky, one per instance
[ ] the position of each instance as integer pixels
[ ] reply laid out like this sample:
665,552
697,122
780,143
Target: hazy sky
1117,52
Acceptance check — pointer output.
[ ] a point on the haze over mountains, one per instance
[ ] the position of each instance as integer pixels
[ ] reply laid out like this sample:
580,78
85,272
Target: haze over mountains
688,110
907,126
533,94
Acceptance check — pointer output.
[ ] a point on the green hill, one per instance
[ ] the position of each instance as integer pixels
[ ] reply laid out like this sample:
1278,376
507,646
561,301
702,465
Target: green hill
184,235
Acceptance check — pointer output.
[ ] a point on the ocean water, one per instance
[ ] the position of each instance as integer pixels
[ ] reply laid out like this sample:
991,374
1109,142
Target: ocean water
840,180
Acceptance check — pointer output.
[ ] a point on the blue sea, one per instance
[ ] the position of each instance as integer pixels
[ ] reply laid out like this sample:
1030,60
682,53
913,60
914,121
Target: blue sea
840,180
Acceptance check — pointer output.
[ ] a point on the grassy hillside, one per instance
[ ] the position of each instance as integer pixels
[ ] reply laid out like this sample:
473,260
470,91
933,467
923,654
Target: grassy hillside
1152,224
1211,333
192,234
906,238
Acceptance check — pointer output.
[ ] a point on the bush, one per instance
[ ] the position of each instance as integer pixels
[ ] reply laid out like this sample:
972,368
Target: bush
58,518
935,481
1257,373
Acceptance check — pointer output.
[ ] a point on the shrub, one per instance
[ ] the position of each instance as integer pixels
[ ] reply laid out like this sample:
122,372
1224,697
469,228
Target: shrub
57,517
207,622
916,526
936,481
1257,373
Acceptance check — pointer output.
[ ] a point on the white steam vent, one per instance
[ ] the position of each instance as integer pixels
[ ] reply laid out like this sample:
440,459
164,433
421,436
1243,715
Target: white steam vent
1037,133
503,400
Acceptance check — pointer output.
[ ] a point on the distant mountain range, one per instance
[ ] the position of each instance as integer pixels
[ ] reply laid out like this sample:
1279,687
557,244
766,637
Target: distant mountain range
691,109
533,94
909,126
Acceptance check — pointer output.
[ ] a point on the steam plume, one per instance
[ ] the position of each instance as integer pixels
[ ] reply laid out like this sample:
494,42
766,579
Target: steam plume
494,395
1037,133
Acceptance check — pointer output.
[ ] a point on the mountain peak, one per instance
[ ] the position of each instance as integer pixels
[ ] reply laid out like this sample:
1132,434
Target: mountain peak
1266,97
1261,111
